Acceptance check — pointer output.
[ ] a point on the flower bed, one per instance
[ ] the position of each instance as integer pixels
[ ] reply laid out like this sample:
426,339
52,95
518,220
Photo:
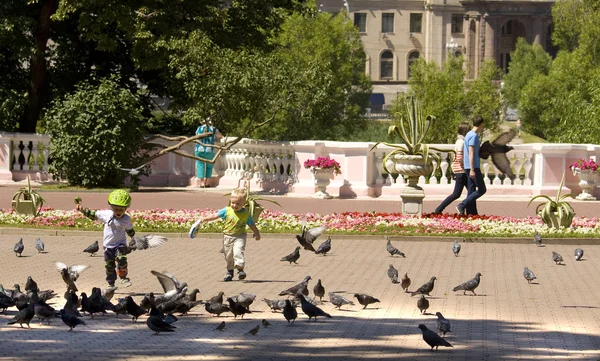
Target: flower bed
353,223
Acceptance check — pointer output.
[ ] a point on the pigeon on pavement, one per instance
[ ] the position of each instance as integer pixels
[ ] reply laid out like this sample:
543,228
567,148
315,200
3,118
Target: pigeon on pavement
365,299
456,248
221,326
319,290
39,245
289,312
469,285
236,308
578,254
300,287
557,258
265,323
393,250
311,310
537,238
324,247
134,309
92,248
338,301
24,316
292,257
19,247
529,275
405,282
31,285
497,149
70,319
253,331
426,288
216,308
432,338
218,298
245,299
423,304
393,274
443,325
156,323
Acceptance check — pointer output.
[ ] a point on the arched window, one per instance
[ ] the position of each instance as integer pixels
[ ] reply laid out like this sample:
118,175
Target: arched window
412,58
387,65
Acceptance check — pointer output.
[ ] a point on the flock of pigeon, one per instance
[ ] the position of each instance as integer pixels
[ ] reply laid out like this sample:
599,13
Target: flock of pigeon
175,298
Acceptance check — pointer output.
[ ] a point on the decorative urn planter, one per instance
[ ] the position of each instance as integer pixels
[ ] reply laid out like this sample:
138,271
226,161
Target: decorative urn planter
587,181
322,179
412,166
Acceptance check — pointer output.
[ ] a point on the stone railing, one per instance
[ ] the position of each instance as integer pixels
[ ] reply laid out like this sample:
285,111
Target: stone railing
277,167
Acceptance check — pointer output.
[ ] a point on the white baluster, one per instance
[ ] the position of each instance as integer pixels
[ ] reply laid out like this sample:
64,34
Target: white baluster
277,161
33,154
46,153
432,178
527,166
486,170
517,167
444,168
286,161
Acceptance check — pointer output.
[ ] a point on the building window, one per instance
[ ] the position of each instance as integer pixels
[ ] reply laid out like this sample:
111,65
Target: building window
507,28
416,19
387,65
457,24
360,21
387,23
412,58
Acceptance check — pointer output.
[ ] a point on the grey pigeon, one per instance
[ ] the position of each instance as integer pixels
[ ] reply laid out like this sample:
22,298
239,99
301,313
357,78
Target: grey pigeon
70,274
469,285
236,308
216,308
135,171
289,312
393,274
156,323
31,285
24,316
138,243
311,310
171,285
218,298
529,275
300,287
39,245
319,290
292,257
92,248
405,282
42,310
275,305
365,299
19,247
393,250
497,149
557,258
253,331
426,288
109,292
245,299
443,325
70,319
578,254
423,304
338,301
537,238
221,326
324,247
432,338
456,248
308,236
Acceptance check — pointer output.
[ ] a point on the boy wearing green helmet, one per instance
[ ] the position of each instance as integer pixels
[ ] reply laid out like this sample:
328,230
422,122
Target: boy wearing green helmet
117,225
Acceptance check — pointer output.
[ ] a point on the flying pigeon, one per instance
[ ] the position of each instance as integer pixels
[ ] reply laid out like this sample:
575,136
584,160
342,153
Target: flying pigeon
324,247
405,282
393,250
145,242
578,254
365,299
456,248
529,275
537,239
92,248
289,312
292,257
300,287
19,247
171,285
39,245
308,236
338,301
498,149
426,288
557,258
393,274
311,310
470,285
134,171
432,338
423,304
70,274
319,290
253,331
443,325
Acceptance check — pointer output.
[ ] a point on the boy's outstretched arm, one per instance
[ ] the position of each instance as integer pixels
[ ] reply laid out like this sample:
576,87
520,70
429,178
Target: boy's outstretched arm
87,212
256,232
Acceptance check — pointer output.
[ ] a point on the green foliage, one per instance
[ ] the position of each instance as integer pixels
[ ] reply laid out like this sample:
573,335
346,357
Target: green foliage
526,62
563,209
482,96
95,131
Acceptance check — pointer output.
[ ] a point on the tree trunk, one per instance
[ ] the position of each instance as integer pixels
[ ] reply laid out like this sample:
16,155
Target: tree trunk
38,83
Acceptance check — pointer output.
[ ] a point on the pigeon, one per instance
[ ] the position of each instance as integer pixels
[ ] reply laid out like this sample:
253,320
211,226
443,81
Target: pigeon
324,247
24,316
134,309
134,171
92,248
221,326
456,248
289,312
19,247
39,245
365,299
529,275
393,250
443,325
393,274
498,149
236,308
216,308
31,285
432,338
6,301
253,331
41,309
109,292
156,323
338,301
292,257
300,287
245,299
557,258
405,282
218,298
275,305
311,310
72,304
265,323
469,285
145,242
426,288
423,304
578,254
171,285
537,238
70,319
70,274
308,236
319,290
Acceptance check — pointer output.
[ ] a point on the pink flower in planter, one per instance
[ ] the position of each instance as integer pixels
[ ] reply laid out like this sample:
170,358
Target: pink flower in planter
583,164
323,163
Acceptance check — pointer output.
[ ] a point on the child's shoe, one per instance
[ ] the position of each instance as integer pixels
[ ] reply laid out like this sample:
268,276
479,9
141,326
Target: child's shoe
111,284
229,276
125,282
241,274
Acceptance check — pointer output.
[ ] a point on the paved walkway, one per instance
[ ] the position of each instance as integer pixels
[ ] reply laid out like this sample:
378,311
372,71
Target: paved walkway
555,318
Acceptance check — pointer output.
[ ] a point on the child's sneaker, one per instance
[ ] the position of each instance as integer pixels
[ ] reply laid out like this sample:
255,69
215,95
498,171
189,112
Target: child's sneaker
125,282
241,274
229,276
195,228
111,284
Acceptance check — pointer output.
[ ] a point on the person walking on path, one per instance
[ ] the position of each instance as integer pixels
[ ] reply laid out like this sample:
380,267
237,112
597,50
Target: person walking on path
475,184
519,127
460,177
204,169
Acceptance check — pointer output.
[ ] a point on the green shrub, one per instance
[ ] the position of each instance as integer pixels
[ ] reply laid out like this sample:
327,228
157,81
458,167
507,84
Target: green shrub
95,131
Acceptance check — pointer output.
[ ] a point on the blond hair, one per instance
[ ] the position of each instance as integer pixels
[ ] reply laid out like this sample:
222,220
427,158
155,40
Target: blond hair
239,193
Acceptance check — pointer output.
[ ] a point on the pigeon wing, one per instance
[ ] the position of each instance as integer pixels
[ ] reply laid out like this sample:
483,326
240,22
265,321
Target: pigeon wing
502,163
149,241
314,233
166,280
504,138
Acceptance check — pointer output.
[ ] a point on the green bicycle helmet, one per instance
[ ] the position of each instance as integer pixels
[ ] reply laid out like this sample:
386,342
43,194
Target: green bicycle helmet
119,198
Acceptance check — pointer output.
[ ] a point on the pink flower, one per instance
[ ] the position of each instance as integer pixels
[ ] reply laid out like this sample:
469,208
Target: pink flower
582,164
323,163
